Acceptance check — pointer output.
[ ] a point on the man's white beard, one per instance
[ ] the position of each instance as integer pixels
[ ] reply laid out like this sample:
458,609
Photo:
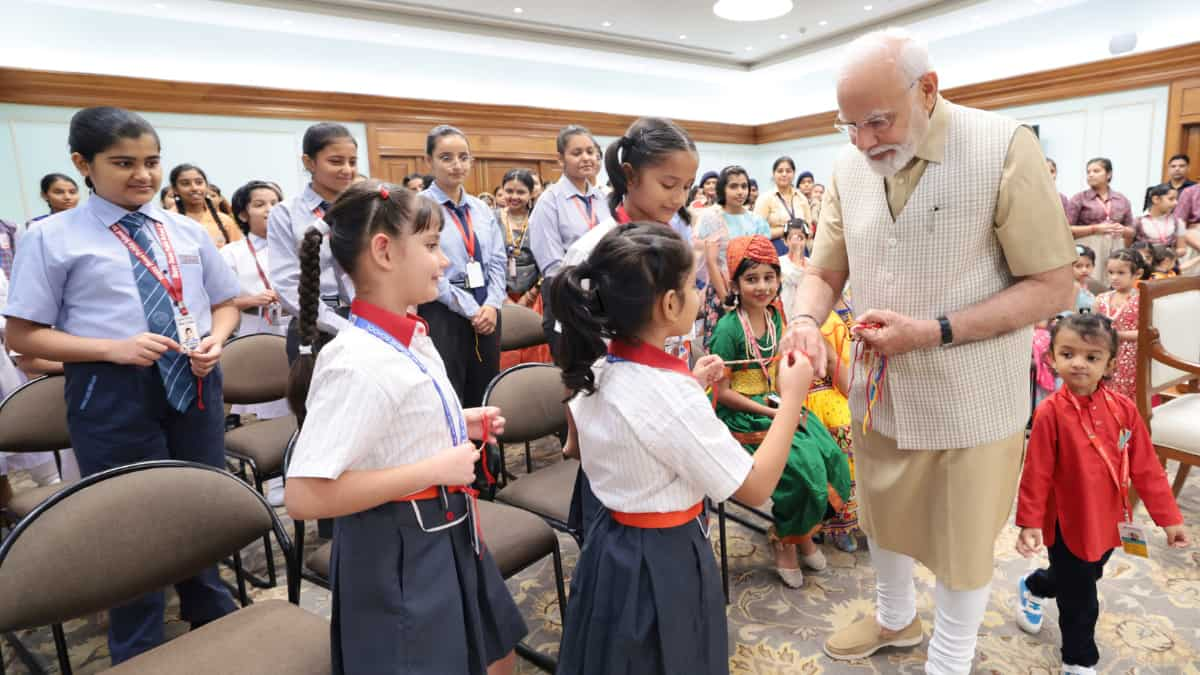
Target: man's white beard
886,167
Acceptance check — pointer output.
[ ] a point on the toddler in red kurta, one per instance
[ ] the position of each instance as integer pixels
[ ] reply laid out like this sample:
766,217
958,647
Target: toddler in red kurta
1088,442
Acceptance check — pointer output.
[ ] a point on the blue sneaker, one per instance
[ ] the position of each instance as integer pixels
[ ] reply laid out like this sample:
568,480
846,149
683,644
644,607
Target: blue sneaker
1029,614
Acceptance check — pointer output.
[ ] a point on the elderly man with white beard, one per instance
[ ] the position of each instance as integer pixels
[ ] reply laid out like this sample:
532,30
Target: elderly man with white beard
950,231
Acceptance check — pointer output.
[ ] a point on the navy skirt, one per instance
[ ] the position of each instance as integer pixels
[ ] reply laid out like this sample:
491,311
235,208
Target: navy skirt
410,601
645,601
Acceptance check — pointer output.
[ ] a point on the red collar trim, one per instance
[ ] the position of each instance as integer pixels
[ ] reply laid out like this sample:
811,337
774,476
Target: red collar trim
400,327
648,356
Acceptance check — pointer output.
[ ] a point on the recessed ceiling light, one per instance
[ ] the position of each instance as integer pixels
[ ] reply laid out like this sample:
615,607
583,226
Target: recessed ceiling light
518,10
397,35
682,37
822,22
159,5
288,22
749,48
783,36
606,24
751,10
868,7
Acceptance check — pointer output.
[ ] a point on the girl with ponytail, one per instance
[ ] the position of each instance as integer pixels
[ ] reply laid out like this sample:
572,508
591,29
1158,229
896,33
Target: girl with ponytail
654,451
192,200
384,448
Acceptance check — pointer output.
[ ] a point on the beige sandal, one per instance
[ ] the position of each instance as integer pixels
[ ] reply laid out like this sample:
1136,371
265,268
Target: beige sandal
792,577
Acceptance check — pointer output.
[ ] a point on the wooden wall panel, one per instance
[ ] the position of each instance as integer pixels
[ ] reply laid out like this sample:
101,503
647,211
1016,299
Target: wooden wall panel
1183,124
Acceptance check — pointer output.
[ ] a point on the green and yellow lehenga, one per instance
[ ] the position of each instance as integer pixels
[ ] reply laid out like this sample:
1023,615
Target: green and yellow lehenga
816,480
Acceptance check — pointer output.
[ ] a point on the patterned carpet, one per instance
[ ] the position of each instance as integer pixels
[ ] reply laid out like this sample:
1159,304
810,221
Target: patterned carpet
1149,622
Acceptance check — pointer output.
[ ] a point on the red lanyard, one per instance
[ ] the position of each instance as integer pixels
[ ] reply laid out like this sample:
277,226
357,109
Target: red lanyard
1107,206
1121,480
468,234
589,218
254,256
318,211
174,284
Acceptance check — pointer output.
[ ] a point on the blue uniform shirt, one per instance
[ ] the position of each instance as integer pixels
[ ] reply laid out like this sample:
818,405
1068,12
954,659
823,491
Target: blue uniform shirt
72,272
559,218
490,241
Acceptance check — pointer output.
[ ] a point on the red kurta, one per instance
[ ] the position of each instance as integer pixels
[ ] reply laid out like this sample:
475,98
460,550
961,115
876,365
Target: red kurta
1066,482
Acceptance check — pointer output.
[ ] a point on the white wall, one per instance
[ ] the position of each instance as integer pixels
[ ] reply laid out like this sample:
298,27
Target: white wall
231,150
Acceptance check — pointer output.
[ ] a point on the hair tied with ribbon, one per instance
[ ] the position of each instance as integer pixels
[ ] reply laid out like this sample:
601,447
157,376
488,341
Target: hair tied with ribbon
306,350
383,192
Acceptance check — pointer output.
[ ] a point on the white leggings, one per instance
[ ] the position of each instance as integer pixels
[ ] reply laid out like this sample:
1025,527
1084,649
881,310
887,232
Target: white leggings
957,617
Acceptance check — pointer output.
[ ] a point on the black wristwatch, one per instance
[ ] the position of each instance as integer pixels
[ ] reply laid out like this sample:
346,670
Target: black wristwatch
947,333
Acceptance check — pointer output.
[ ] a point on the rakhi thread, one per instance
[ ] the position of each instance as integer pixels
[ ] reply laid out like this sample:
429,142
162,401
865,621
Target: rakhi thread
875,369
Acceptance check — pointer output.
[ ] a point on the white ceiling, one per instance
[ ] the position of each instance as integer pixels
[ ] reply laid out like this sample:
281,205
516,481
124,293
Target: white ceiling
686,29
376,47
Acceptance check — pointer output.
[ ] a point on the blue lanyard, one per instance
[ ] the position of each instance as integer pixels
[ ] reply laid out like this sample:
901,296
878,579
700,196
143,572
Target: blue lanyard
456,423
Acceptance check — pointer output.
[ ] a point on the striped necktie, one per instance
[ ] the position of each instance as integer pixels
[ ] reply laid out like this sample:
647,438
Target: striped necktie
174,367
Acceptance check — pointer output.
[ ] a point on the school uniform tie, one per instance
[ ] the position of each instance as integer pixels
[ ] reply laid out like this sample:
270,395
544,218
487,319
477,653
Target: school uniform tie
174,367
463,213
587,204
324,206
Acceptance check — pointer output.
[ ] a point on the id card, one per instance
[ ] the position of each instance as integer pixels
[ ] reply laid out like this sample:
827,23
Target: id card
189,334
1133,539
273,313
512,268
474,274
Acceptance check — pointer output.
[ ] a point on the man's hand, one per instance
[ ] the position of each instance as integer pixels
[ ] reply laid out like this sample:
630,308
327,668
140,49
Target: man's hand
804,335
891,334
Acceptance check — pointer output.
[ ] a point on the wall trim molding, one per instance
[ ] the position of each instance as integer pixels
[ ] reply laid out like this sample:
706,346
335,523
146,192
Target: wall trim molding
36,87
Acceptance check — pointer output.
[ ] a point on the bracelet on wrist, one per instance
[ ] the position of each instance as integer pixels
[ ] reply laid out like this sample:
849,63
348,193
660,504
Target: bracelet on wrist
810,317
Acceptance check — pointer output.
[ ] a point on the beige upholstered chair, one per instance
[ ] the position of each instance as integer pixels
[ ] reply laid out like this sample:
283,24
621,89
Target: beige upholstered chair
127,531
255,370
520,327
531,396
1169,355
33,418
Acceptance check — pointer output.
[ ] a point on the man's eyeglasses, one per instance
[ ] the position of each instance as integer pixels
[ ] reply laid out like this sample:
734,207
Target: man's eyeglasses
877,124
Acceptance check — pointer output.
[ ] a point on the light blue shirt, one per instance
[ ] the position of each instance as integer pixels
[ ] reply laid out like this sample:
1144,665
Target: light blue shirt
287,223
730,226
72,272
491,242
558,219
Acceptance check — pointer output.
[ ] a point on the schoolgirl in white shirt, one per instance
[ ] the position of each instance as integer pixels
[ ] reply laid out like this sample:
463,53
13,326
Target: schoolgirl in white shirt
646,593
249,258
384,449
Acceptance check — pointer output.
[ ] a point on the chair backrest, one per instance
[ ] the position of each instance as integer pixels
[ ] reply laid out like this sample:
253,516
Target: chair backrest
520,327
34,417
1168,336
121,533
531,398
255,368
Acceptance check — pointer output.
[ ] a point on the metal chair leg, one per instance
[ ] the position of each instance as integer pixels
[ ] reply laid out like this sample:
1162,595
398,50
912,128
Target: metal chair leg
558,583
528,459
23,655
241,578
60,646
271,580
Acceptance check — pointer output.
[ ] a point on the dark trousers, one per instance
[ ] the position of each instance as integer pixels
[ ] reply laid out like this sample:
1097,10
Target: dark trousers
119,415
1072,584
472,360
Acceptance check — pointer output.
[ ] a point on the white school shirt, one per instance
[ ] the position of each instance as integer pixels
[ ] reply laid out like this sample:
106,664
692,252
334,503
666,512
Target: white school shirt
287,223
71,272
652,442
237,254
370,407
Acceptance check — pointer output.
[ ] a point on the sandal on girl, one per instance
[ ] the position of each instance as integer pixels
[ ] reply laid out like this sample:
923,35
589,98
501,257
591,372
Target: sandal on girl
793,577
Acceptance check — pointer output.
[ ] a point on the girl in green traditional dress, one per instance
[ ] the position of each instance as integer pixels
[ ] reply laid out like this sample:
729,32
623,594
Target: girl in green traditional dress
816,480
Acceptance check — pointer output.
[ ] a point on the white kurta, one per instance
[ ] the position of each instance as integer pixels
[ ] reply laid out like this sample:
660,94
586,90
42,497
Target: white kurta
237,255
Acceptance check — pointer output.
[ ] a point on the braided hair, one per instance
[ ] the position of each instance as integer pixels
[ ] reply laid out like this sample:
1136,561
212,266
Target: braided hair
366,208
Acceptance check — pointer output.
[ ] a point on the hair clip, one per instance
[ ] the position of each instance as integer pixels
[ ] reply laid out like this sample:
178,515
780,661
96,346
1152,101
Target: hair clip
306,350
383,192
